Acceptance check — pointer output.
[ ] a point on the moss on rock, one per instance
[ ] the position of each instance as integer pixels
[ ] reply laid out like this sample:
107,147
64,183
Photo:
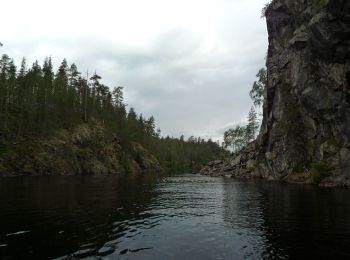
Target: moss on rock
320,170
318,5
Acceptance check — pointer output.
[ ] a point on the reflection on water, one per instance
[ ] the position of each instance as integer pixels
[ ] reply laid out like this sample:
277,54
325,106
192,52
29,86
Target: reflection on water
281,221
178,217
243,213
307,222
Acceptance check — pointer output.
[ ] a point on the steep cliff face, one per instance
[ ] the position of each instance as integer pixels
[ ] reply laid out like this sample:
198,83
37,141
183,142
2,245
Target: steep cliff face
307,110
305,133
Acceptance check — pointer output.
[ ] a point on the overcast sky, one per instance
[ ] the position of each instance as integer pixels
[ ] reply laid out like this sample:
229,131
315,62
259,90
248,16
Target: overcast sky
190,63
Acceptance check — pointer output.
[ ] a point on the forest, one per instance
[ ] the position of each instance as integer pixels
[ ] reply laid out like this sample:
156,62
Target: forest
36,102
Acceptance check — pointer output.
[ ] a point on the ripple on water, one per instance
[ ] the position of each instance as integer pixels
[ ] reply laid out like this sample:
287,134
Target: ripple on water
178,217
17,233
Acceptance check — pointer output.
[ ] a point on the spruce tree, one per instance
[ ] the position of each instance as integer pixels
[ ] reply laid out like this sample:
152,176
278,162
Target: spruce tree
253,125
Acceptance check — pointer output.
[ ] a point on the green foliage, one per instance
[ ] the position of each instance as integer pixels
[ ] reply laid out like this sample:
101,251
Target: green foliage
266,6
178,156
320,170
36,102
318,5
258,88
240,136
236,138
300,167
253,125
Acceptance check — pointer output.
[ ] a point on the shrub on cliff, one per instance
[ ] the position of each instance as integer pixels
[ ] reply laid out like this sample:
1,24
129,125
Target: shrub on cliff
320,170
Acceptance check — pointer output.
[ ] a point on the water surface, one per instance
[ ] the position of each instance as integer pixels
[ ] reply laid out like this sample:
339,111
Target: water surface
178,217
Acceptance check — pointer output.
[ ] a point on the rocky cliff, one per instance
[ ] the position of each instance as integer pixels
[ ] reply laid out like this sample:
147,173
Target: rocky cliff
84,149
305,133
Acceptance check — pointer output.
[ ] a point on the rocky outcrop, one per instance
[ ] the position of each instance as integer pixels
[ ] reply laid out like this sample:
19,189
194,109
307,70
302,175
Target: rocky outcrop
143,160
240,165
306,120
83,150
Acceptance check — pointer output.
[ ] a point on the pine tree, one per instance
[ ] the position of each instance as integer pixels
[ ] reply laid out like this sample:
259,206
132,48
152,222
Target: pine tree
118,97
95,83
60,93
35,97
150,126
4,89
253,125
47,82
10,106
22,93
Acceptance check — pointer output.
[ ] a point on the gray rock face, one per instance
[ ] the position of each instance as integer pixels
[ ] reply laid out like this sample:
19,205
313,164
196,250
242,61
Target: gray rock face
307,111
306,118
241,165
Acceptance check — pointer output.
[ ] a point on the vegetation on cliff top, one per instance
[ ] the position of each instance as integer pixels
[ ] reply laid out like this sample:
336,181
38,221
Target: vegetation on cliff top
316,5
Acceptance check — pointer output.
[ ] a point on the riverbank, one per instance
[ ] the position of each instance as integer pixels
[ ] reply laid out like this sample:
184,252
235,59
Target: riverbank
85,149
244,166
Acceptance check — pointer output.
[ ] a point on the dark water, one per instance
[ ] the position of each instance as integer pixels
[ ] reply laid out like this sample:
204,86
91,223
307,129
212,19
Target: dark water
181,217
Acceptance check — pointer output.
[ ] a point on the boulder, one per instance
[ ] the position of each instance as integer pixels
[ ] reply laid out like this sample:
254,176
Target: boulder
236,160
251,165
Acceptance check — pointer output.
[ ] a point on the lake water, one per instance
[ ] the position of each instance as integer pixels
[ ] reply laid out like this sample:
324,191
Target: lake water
178,217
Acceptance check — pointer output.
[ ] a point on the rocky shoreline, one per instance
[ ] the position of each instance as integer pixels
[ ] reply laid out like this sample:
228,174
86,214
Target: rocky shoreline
230,169
84,149
243,165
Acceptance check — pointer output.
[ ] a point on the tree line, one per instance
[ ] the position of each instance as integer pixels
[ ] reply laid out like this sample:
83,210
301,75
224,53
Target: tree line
35,102
239,137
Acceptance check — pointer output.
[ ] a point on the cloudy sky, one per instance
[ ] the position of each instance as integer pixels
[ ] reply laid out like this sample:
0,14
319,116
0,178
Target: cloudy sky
190,63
